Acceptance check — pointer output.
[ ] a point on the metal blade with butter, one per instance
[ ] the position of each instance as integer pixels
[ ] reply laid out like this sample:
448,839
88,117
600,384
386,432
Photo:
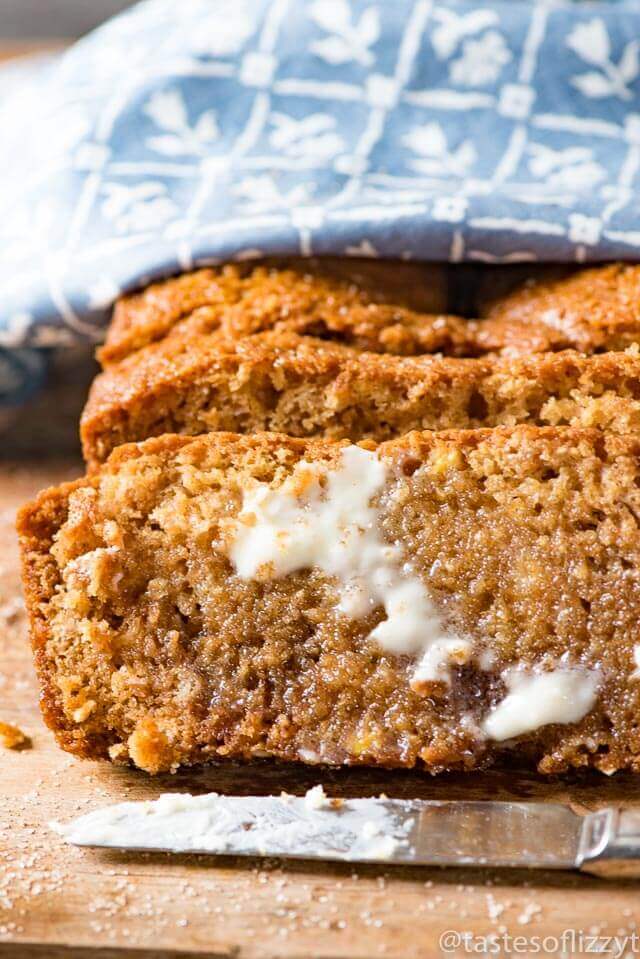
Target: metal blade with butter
390,831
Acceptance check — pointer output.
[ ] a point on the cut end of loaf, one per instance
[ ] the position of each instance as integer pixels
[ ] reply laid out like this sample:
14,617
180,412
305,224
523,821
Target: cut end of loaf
154,647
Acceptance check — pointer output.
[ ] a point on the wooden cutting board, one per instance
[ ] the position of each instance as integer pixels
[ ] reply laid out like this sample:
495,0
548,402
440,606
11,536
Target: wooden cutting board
57,901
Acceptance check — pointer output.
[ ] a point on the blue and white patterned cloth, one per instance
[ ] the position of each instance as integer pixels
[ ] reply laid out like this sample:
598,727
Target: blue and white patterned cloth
182,134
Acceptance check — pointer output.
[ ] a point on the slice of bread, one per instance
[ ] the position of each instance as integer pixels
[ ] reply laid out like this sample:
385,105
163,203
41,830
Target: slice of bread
592,311
436,600
305,387
382,307
385,307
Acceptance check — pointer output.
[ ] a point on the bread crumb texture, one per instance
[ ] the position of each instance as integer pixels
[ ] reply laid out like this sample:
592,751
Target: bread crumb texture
304,386
152,650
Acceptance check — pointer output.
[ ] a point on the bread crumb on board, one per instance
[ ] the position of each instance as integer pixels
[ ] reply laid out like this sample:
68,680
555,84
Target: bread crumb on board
13,738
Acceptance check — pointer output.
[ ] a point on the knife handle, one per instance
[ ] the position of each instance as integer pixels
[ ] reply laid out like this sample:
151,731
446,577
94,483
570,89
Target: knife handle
610,844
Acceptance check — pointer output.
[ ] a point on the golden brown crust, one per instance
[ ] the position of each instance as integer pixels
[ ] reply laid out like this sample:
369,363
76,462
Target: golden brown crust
151,648
356,301
593,310
37,524
378,308
306,387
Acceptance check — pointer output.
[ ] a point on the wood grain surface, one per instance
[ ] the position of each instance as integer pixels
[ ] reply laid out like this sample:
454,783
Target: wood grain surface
58,901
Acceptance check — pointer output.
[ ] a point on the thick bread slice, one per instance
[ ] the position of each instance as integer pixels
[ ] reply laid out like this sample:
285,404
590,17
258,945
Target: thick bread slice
156,643
384,306
306,387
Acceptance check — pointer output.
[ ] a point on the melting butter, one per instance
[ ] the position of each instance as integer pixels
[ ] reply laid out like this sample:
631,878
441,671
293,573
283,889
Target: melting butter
323,518
562,695
636,658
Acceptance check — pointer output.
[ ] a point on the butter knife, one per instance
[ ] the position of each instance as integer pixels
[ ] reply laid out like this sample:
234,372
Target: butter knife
389,831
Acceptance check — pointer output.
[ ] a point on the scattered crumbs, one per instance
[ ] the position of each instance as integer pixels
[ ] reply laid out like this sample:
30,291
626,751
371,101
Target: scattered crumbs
11,610
13,738
530,910
494,908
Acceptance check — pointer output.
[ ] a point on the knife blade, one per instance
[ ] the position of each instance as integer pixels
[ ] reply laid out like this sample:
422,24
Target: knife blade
389,831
